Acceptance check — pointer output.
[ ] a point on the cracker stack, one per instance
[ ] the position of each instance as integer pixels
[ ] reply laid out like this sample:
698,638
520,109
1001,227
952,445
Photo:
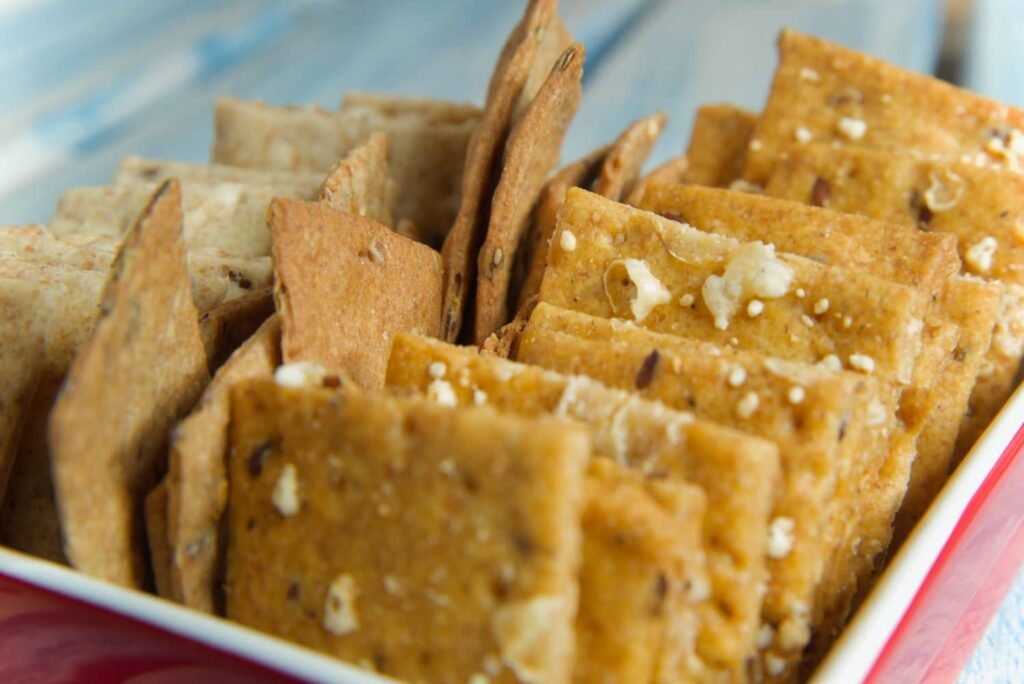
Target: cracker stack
702,404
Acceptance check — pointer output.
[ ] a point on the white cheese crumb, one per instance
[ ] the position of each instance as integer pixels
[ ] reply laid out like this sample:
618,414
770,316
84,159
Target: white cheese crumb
285,495
831,362
808,74
479,397
437,370
808,321
801,293
746,406
803,135
780,537
851,128
300,374
876,413
862,362
796,394
755,307
943,193
441,391
687,300
753,270
774,665
821,306
567,241
523,630
756,145
847,321
340,615
479,679
737,376
649,290
740,185
700,589
979,255
765,636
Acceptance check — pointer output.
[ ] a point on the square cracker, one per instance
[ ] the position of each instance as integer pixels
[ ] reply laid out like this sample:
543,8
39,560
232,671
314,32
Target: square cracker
615,244
828,446
425,542
532,149
482,162
918,259
426,154
344,285
621,167
131,170
818,84
642,549
737,472
142,368
718,144
156,538
197,479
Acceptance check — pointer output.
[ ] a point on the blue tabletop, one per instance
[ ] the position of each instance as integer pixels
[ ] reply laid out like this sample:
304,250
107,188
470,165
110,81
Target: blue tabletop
85,83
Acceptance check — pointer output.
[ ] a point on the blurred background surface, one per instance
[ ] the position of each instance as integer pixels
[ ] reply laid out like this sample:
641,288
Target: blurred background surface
87,82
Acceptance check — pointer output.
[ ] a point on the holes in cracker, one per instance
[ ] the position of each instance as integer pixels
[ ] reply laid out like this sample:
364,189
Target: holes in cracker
632,288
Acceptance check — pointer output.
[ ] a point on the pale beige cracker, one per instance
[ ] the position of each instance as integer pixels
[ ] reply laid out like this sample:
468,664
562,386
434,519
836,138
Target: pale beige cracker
21,364
131,170
360,183
424,542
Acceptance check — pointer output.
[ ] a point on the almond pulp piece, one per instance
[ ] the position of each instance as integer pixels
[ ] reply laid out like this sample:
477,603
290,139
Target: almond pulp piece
482,160
718,144
737,472
197,482
131,170
345,285
156,538
824,476
617,245
829,94
532,149
443,544
143,367
426,154
621,166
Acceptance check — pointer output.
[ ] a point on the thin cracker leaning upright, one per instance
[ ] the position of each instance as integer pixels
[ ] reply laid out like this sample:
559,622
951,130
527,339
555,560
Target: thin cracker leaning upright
131,170
21,363
672,171
718,144
225,328
360,184
155,511
141,369
621,167
532,149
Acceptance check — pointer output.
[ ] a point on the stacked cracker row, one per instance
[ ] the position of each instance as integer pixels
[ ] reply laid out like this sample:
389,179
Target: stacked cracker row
680,448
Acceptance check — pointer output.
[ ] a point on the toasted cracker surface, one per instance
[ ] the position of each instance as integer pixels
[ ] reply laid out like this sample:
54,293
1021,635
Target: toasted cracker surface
360,184
225,328
532,149
345,285
717,150
142,368
621,167
361,525
197,479
21,363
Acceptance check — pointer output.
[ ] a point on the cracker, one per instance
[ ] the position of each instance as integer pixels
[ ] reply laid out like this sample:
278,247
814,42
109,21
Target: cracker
131,170
197,483
344,285
141,369
641,551
919,259
531,150
225,328
580,173
483,157
717,150
737,472
621,167
672,171
399,106
555,39
819,84
426,154
21,362
822,474
676,263
454,530
156,538
360,184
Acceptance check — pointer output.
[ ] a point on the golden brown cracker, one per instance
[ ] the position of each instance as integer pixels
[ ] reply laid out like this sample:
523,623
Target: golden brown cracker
824,437
736,471
345,285
671,171
717,150
697,284
142,368
426,153
919,259
483,157
424,542
225,328
621,167
580,173
642,555
197,479
829,94
532,149
156,538
360,184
